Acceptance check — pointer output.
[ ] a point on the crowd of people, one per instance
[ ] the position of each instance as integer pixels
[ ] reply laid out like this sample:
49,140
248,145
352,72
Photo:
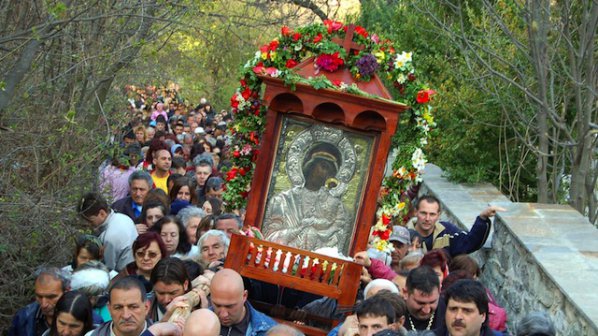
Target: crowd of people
154,263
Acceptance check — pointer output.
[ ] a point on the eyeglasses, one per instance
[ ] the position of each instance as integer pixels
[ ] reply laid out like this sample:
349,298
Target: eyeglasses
143,254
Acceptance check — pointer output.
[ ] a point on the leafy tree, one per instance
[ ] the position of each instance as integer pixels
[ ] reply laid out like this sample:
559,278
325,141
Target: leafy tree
518,83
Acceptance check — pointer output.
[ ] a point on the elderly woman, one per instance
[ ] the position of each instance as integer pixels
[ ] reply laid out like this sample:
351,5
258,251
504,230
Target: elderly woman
213,246
148,249
191,217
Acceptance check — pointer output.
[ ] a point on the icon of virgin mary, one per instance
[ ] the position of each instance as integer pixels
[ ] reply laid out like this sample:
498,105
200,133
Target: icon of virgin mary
311,214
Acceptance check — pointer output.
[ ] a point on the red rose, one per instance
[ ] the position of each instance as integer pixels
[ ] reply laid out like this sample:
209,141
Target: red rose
411,76
336,82
385,235
361,31
385,219
318,38
273,45
285,31
243,83
424,96
291,63
242,171
264,48
296,36
237,154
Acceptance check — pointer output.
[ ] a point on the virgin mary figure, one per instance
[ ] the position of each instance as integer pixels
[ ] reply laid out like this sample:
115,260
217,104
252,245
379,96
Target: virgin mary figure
311,215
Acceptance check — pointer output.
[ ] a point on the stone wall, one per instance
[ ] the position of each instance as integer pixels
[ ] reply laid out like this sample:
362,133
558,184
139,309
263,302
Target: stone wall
540,257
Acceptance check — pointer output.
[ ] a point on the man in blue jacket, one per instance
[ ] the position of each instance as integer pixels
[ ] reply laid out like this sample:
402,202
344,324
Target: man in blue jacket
229,301
435,234
35,318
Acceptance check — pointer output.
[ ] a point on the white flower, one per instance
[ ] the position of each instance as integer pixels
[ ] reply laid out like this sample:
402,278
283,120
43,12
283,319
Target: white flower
418,160
402,59
275,73
401,78
423,125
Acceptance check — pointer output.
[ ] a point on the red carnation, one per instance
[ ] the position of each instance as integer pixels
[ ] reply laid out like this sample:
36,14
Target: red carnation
237,154
361,31
285,31
273,45
246,93
231,174
242,171
233,101
318,38
424,96
296,36
385,235
291,63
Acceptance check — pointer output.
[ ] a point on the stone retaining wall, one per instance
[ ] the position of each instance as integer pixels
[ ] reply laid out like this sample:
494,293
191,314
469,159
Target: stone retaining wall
540,257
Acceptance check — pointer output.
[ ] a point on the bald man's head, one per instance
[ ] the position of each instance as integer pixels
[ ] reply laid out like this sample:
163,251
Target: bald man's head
228,297
228,279
202,322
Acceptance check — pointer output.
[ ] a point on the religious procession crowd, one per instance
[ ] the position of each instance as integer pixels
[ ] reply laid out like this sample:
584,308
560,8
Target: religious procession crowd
154,263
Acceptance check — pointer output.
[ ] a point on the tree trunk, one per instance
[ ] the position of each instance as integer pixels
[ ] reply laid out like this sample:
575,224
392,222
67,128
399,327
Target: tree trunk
538,33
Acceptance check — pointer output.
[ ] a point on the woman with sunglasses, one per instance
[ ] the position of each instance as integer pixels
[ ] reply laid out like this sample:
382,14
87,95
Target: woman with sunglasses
148,249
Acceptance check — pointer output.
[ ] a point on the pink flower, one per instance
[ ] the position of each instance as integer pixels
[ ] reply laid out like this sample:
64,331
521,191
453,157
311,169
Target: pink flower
329,62
332,26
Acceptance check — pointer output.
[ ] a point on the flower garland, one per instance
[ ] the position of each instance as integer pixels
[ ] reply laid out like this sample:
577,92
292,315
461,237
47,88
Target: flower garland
278,58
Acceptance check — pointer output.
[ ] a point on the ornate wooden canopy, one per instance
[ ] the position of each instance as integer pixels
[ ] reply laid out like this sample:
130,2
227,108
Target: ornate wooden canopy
376,116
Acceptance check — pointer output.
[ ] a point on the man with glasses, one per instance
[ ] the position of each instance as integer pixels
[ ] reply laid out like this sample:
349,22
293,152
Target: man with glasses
116,231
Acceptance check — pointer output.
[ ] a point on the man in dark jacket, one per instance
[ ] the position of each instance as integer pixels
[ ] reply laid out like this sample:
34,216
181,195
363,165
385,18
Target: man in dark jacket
140,183
35,318
466,310
422,292
436,234
129,309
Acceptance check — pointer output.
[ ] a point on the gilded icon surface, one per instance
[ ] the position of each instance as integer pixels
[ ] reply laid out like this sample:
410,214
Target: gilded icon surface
316,185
